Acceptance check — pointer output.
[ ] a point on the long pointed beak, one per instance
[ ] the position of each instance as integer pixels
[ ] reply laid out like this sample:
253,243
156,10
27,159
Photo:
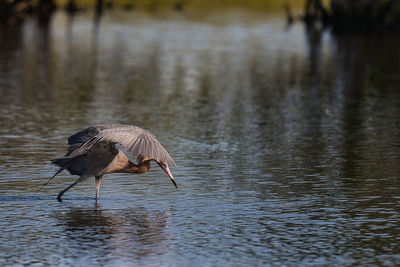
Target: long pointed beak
165,168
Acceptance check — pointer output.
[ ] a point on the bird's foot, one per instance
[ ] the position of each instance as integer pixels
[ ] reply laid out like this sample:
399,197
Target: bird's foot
59,196
63,191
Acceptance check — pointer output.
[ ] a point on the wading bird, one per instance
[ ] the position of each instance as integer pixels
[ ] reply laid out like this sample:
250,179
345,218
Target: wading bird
92,152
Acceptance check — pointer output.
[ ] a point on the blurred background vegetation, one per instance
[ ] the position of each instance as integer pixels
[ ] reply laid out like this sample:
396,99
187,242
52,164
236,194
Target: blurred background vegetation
340,15
146,4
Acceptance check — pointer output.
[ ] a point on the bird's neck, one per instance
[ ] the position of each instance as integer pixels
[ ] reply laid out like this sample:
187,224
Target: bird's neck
140,168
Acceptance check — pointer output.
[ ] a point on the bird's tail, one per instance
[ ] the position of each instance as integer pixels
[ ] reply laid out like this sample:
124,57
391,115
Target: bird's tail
62,162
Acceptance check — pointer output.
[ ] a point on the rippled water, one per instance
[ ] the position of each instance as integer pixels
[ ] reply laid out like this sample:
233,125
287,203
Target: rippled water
287,142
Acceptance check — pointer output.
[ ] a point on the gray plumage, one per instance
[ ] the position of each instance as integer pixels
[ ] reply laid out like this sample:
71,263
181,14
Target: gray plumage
133,139
92,152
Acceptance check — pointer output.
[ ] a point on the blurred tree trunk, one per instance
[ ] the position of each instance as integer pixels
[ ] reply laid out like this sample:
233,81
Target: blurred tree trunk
4,10
353,15
99,8
365,15
315,12
45,9
14,11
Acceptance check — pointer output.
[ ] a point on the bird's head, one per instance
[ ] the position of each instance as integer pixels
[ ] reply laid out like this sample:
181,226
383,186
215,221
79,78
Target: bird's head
163,165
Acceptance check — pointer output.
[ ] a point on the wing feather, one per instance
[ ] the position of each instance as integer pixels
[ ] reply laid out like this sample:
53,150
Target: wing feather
133,139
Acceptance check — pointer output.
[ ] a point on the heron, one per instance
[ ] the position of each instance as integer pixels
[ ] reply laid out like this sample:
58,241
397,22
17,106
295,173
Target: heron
93,152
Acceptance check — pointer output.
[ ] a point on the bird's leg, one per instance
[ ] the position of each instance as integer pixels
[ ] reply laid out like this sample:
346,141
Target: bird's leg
98,182
65,190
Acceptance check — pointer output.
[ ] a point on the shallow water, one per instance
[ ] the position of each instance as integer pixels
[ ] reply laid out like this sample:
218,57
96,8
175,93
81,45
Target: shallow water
287,142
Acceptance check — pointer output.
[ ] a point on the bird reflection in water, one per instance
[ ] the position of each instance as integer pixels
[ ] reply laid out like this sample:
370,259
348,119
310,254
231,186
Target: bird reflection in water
109,236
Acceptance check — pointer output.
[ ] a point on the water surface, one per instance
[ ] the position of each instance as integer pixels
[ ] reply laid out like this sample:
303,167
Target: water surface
287,142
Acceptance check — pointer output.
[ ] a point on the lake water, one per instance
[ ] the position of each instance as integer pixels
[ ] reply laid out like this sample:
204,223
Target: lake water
287,142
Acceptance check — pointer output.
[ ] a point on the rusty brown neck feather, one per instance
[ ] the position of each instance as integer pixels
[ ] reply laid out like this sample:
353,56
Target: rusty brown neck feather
140,168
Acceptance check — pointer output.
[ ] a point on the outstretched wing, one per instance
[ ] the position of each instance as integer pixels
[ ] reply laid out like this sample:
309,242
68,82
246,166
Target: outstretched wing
133,139
76,140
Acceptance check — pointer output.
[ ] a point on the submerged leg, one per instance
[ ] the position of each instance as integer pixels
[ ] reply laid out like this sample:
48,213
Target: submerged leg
65,190
98,182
